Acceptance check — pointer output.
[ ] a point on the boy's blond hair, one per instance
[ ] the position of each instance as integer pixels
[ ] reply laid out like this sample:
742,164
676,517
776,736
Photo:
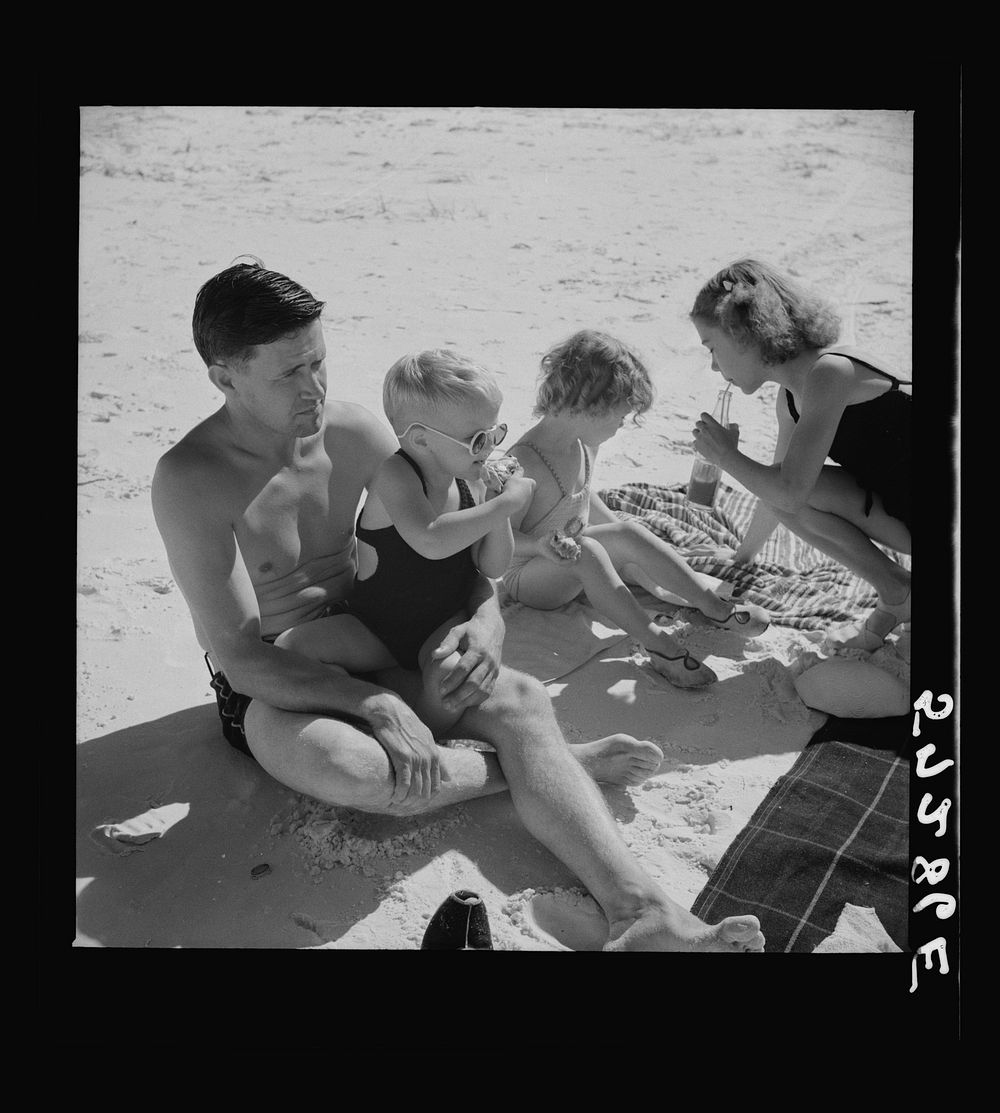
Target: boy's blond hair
419,384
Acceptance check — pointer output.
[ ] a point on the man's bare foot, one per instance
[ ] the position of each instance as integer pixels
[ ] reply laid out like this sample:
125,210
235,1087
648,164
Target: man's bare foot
680,668
880,624
671,928
619,759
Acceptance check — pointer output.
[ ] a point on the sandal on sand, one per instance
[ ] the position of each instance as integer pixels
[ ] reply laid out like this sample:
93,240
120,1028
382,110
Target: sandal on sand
696,666
748,620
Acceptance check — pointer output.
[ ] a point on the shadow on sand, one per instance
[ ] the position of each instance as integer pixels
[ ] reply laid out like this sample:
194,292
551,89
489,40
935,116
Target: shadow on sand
195,886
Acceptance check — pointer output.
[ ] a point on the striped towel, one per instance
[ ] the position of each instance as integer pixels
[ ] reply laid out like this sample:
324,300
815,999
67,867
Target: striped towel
800,586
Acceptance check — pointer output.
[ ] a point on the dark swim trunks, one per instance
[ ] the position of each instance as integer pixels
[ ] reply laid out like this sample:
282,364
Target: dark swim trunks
233,705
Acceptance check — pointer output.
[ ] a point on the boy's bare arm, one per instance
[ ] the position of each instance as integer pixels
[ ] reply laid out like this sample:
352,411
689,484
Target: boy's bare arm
434,535
494,553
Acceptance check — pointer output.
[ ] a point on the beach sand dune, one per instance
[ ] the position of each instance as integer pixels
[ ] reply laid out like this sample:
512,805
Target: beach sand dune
496,232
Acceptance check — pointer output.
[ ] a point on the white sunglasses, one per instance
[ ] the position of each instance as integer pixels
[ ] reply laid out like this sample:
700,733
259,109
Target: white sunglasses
475,444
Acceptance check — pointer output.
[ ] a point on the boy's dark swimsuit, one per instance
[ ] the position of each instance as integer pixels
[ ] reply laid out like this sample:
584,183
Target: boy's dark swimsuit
403,602
873,440
408,596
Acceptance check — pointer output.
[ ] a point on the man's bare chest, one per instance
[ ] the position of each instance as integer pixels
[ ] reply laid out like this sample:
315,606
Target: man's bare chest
294,516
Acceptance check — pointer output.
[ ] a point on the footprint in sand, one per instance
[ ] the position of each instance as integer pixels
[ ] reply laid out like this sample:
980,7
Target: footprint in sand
572,920
131,834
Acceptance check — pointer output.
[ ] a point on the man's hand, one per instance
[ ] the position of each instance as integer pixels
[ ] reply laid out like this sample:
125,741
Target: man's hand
471,679
415,757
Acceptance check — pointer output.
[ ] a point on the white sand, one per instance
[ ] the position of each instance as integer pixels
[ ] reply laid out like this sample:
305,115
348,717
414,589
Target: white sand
495,232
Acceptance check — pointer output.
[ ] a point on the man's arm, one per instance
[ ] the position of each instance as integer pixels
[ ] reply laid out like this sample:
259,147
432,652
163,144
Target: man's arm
196,527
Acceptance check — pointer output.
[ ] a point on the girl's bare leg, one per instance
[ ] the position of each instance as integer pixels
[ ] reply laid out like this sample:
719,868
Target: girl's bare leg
631,543
639,555
835,523
546,585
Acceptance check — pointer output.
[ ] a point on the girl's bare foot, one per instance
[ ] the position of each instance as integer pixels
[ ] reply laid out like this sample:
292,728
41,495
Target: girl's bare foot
619,759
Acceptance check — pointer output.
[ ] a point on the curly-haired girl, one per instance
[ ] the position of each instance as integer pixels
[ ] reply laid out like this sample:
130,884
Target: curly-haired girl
568,541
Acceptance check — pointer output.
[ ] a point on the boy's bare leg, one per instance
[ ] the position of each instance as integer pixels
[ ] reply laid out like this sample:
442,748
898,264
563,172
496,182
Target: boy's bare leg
562,807
337,640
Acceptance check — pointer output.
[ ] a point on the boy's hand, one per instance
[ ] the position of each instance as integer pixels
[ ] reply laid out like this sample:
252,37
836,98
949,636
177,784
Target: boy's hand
497,472
520,490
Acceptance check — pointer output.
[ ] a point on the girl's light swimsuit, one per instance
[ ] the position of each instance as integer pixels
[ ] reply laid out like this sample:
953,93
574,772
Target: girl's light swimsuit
568,507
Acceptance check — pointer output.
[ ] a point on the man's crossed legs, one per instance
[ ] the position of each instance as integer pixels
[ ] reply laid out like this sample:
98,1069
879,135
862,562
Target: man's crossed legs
552,786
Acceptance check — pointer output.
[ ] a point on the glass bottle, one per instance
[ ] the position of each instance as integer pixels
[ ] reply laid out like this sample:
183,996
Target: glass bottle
704,482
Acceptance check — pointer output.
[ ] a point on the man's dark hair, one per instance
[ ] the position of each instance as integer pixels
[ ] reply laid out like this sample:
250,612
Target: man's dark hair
247,305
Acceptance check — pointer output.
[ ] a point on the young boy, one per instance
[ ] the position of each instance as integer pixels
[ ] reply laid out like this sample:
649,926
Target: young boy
430,520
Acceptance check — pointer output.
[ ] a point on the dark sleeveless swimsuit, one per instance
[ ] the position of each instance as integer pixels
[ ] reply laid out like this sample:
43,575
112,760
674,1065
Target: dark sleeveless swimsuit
408,596
873,440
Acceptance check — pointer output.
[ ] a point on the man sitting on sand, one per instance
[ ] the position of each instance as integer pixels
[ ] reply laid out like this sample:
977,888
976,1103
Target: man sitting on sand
256,509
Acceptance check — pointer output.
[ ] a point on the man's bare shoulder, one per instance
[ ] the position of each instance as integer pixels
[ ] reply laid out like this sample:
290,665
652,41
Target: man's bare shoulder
202,456
353,428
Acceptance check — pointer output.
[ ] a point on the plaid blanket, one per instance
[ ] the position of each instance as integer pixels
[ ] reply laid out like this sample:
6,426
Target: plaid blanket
832,831
797,584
